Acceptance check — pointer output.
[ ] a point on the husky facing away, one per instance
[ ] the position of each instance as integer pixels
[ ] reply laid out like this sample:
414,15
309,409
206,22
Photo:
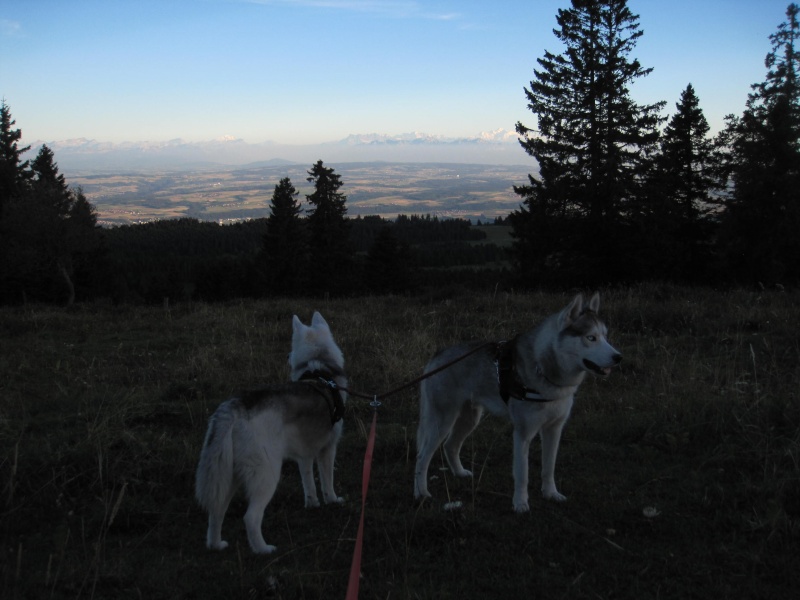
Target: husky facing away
532,379
250,435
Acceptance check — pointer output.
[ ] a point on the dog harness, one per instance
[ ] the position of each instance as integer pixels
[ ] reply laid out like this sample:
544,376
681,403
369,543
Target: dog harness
508,381
322,382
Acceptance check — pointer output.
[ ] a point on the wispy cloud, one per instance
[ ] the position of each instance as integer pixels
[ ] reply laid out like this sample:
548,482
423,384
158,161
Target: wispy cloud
407,9
10,28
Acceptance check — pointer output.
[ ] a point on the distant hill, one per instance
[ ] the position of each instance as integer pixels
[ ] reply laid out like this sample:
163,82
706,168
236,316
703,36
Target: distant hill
87,156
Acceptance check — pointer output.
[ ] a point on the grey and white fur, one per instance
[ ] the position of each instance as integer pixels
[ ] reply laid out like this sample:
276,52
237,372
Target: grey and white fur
549,362
251,434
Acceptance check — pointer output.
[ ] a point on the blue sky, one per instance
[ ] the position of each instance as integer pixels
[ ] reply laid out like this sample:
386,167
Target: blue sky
310,71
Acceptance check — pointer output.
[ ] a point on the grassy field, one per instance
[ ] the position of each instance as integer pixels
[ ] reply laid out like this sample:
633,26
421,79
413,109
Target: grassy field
682,469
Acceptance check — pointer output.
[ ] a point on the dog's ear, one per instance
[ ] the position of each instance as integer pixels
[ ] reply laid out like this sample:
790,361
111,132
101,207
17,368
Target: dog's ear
297,324
318,321
573,310
594,303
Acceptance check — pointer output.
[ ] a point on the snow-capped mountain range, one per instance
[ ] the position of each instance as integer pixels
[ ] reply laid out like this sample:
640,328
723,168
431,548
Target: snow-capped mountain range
85,155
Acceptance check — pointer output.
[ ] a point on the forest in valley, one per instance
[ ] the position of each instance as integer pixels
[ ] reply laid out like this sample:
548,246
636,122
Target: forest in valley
623,194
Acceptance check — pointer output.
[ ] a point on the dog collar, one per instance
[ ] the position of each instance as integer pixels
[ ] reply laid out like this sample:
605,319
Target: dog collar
322,382
508,381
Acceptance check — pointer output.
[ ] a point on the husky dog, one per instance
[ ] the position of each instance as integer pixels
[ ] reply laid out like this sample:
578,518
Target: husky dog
532,379
251,435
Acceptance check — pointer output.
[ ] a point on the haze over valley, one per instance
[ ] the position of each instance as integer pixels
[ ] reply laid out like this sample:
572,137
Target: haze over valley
229,179
82,155
472,191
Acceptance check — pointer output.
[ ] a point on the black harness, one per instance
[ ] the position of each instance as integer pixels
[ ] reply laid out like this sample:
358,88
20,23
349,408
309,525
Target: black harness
508,381
322,382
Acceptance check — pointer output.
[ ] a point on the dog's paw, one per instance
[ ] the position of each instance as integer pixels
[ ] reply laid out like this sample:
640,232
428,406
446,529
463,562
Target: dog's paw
265,549
521,507
221,545
463,473
334,500
312,502
554,495
420,497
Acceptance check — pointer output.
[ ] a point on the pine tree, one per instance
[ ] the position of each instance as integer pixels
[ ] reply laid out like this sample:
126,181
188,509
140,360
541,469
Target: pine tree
84,245
14,172
285,248
676,218
49,187
592,143
331,256
14,175
762,218
50,230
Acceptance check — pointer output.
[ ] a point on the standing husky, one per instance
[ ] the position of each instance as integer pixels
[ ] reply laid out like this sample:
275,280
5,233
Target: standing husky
251,435
532,379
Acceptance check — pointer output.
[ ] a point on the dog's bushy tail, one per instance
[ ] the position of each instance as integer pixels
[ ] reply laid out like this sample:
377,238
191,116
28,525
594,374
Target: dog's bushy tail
215,472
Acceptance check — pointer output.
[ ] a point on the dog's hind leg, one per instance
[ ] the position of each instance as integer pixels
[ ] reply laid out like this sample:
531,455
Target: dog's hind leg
551,436
434,427
306,466
426,446
216,514
260,489
467,421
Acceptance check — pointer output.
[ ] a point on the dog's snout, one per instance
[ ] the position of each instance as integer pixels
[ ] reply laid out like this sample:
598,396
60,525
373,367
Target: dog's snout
617,358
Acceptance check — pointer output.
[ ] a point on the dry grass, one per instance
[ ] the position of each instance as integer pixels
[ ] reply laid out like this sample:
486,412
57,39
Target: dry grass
682,468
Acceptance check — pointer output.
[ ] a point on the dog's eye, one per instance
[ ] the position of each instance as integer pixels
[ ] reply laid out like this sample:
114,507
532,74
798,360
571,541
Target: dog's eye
591,338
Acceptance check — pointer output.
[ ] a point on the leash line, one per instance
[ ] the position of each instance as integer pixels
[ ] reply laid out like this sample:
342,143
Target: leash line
375,397
355,567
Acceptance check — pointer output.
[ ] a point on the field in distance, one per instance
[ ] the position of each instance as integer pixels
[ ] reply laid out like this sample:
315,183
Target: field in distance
385,189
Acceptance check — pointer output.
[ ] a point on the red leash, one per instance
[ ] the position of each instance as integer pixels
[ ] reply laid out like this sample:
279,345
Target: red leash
355,568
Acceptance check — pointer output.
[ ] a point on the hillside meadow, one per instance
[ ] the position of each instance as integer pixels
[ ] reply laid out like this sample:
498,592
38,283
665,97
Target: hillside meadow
682,468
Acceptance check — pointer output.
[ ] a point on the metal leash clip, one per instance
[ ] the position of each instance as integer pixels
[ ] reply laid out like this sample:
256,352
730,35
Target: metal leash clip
330,383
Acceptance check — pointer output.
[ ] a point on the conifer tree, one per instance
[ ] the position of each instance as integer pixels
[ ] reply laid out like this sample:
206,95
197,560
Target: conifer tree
676,218
592,143
14,172
285,248
331,256
51,230
14,175
762,218
84,245
49,187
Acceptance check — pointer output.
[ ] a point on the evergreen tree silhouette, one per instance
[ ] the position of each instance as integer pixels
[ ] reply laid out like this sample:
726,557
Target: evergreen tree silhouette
592,144
14,172
285,249
677,223
762,217
331,256
50,229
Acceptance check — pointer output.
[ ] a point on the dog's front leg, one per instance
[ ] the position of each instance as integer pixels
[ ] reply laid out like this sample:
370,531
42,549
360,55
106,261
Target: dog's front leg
522,444
551,436
325,463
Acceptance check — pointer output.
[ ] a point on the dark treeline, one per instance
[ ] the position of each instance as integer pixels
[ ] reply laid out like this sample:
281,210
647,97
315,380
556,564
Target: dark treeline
622,194
185,259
